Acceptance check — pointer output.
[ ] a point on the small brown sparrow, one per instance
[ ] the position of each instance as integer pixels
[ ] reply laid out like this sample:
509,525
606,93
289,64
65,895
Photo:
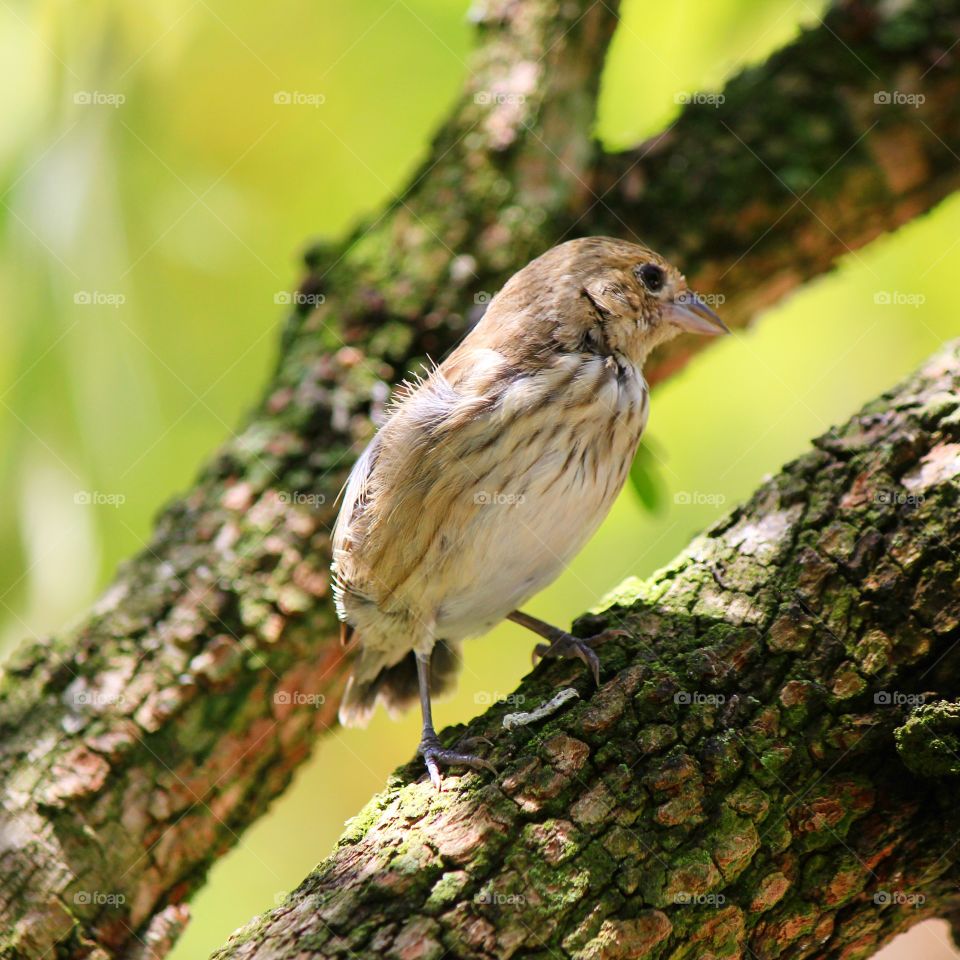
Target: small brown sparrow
491,473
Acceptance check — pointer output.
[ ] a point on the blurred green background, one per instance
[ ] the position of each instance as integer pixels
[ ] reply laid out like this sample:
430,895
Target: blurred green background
154,201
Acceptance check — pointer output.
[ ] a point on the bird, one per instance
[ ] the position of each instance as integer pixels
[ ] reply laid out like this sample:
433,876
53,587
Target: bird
492,469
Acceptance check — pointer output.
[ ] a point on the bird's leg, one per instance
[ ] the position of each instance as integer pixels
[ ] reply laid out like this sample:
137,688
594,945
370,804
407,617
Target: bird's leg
562,644
434,755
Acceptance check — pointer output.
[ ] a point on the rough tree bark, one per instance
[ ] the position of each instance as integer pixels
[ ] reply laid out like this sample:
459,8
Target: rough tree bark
761,773
136,747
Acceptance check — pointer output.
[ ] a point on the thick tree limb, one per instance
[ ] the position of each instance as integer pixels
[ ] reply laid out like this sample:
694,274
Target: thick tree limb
135,748
751,780
847,133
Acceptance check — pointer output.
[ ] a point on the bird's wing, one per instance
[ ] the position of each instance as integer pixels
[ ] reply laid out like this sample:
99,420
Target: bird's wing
355,502
413,480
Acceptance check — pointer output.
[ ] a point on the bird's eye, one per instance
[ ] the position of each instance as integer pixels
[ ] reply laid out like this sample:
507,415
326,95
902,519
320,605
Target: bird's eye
651,276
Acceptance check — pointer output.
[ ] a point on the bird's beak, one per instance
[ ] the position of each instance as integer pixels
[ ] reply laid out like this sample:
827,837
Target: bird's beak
688,312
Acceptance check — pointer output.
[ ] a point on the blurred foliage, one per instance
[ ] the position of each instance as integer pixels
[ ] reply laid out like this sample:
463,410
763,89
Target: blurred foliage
646,477
179,213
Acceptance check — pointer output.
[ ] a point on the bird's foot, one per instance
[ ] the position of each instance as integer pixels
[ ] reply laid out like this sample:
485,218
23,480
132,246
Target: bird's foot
436,756
567,646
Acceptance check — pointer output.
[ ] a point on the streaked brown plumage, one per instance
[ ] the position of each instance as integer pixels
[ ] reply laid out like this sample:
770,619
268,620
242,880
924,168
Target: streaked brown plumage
491,473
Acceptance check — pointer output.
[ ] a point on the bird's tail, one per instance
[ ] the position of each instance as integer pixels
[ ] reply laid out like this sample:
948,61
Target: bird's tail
396,686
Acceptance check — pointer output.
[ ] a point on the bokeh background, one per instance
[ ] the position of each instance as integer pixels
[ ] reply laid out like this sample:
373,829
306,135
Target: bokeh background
153,202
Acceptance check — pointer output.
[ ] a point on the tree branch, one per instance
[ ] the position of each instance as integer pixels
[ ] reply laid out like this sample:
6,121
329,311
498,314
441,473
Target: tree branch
741,784
139,745
843,135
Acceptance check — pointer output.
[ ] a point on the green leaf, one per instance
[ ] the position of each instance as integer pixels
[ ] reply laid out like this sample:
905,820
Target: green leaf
646,478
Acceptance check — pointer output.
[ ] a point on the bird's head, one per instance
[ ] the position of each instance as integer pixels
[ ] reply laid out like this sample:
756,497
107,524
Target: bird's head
632,299
595,295
598,295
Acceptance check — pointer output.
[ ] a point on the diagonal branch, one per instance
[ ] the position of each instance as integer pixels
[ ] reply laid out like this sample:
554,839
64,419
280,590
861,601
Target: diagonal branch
756,777
847,133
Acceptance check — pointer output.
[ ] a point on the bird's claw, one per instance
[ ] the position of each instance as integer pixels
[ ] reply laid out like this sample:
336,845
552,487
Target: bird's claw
434,756
566,645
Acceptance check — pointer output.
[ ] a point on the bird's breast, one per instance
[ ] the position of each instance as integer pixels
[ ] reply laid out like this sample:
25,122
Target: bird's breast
559,466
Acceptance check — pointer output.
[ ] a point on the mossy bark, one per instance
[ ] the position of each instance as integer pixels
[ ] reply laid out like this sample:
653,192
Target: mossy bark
136,747
761,773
